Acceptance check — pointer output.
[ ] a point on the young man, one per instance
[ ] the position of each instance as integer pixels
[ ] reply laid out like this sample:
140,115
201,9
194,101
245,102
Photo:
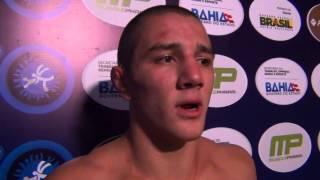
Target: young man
165,72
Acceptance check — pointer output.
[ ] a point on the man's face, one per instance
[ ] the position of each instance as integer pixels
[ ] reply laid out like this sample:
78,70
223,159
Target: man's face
171,76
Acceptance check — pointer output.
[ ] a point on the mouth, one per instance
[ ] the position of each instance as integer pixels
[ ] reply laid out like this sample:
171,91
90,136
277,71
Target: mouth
190,106
189,110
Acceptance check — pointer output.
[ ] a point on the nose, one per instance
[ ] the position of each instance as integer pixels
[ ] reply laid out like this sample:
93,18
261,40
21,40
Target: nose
189,75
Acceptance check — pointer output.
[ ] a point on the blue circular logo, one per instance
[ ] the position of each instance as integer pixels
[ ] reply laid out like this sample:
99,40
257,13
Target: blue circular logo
36,79
38,9
34,160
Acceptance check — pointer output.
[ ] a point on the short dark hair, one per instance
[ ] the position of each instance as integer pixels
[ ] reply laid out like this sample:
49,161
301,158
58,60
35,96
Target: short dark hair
129,37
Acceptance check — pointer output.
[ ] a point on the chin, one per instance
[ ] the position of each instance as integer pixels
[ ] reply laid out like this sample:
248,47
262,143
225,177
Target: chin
190,133
193,136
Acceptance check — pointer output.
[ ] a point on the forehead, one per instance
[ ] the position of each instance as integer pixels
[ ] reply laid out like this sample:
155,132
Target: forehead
171,26
170,21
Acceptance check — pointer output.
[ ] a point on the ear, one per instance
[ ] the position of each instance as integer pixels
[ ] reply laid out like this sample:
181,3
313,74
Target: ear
118,80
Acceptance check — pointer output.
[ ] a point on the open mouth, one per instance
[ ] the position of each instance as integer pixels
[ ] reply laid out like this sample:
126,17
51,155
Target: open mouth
191,106
189,110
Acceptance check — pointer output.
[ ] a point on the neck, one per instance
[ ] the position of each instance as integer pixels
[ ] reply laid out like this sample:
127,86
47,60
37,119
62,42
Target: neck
161,157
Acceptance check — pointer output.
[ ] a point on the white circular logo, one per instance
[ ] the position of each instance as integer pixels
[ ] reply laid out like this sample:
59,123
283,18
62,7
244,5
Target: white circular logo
228,135
315,80
277,20
97,84
313,21
230,82
281,81
119,12
284,147
219,17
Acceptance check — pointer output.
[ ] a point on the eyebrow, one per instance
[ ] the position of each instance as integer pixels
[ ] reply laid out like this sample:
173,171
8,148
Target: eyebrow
174,45
165,46
204,48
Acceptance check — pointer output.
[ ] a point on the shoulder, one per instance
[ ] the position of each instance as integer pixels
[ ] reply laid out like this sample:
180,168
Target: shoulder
233,161
104,162
78,168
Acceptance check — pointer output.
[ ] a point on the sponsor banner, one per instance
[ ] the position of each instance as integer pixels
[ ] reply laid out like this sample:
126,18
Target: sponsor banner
230,82
284,147
119,12
277,20
281,81
97,83
228,135
38,9
315,80
219,17
36,79
313,21
34,160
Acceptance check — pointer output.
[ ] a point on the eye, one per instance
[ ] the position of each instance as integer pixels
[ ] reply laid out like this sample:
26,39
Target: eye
205,61
166,59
